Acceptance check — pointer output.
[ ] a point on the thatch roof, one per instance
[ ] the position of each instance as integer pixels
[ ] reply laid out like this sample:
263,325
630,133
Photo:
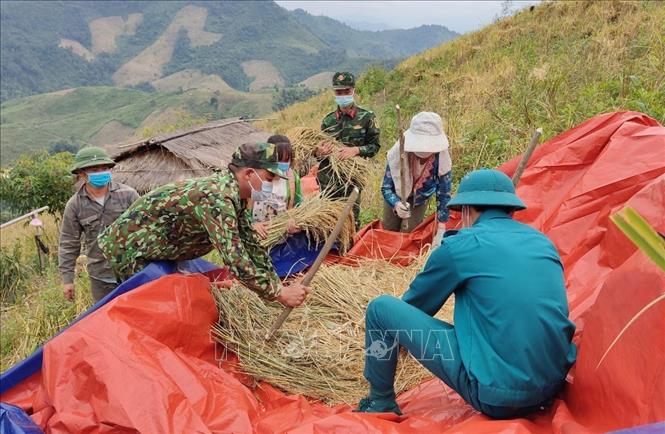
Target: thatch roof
189,153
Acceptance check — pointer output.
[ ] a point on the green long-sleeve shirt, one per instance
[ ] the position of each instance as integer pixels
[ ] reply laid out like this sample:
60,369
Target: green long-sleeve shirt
185,220
357,128
511,311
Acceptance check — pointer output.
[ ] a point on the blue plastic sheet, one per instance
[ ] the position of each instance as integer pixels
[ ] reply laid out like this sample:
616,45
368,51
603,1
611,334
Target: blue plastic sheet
14,420
653,428
153,271
295,254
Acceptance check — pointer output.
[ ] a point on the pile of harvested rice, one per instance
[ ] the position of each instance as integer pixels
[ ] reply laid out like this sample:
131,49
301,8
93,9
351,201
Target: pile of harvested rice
319,351
317,217
353,171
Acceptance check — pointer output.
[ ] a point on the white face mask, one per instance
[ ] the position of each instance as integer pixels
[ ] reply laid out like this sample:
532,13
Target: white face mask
266,189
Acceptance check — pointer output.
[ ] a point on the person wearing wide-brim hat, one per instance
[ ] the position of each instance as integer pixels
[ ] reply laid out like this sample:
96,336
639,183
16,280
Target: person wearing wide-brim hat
188,219
96,204
509,351
428,173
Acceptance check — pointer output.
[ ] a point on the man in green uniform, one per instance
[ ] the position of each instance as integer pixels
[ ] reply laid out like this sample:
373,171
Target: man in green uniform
190,218
510,348
95,205
352,125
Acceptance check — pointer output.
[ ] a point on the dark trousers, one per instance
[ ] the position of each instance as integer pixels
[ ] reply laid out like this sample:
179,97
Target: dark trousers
330,188
392,222
100,289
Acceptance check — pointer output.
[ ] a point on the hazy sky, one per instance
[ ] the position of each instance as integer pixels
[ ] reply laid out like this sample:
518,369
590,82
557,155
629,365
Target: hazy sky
461,16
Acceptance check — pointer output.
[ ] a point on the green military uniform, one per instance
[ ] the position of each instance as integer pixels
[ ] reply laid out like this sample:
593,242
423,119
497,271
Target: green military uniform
357,128
188,219
87,215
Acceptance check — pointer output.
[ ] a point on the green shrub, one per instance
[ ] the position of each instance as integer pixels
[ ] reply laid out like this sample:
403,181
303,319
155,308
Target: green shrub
38,180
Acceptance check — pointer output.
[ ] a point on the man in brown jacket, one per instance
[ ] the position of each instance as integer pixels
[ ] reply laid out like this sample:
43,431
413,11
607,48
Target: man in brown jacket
96,204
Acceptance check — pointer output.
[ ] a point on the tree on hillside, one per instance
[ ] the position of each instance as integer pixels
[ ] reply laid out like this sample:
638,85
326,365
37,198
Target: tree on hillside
37,180
63,146
285,97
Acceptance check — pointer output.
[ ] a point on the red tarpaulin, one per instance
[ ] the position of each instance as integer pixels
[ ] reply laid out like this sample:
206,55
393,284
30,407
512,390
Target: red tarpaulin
146,361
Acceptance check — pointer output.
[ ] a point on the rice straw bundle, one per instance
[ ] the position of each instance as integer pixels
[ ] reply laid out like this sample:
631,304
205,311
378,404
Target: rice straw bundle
317,217
352,171
319,351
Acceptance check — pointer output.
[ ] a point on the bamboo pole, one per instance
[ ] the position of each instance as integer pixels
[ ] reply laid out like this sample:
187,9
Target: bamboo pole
23,217
403,161
527,155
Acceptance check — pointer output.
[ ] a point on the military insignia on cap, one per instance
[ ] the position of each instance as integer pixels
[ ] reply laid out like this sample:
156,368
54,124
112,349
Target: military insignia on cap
340,77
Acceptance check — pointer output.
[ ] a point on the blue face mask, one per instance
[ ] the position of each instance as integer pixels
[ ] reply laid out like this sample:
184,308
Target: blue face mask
344,100
99,179
284,167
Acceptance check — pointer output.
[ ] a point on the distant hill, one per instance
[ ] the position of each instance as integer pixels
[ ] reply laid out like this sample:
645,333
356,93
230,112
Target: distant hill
384,44
55,45
105,115
553,66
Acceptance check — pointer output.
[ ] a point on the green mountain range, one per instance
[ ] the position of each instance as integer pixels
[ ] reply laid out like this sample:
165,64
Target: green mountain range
103,72
54,45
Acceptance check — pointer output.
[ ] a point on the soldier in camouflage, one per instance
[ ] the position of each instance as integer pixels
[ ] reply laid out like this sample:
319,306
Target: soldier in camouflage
352,125
190,218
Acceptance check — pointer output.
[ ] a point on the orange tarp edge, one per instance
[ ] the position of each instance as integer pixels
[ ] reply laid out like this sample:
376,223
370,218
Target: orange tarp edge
146,361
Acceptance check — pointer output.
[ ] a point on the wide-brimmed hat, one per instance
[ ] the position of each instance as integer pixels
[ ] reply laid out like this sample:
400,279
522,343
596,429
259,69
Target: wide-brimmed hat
486,187
425,134
90,157
258,156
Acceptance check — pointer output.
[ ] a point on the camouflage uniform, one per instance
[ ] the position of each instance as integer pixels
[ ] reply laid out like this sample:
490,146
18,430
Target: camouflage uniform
358,128
186,220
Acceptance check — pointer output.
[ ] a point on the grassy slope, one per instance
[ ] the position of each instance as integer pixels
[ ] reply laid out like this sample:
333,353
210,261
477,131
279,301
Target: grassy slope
34,122
552,67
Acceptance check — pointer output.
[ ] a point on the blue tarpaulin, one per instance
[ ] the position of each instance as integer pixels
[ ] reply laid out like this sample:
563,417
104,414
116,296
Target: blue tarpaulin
14,420
294,255
154,270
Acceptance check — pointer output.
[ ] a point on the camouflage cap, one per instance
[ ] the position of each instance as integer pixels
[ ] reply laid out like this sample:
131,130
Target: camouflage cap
258,156
342,80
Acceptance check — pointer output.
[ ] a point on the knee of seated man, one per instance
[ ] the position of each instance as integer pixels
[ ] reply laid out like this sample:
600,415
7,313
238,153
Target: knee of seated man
382,304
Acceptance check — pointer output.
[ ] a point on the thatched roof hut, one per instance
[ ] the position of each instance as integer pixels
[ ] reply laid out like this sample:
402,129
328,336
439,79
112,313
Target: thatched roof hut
189,153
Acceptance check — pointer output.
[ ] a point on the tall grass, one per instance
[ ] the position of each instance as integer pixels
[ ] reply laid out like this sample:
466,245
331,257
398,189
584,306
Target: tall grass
34,309
551,67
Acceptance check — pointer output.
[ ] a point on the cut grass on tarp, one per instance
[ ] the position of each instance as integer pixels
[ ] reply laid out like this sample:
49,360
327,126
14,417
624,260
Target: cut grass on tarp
319,351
